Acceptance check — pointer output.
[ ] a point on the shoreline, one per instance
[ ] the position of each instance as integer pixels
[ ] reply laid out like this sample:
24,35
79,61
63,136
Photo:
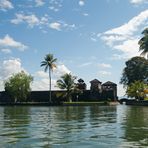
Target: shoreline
59,104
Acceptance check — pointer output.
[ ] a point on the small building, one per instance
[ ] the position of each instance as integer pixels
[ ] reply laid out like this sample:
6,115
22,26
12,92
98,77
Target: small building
81,84
110,90
95,85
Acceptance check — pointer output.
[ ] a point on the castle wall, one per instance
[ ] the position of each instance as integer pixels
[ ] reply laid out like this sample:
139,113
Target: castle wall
57,96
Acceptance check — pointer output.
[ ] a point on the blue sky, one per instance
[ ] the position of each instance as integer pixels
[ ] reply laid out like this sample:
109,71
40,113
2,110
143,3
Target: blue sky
90,38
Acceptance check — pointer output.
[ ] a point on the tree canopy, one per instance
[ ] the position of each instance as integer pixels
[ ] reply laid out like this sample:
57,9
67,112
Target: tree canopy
137,90
67,82
136,70
143,42
18,86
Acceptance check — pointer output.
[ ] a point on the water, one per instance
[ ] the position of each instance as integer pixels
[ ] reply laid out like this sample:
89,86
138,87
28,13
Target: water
69,127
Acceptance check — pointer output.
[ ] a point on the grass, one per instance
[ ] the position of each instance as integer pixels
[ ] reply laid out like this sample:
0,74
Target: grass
84,103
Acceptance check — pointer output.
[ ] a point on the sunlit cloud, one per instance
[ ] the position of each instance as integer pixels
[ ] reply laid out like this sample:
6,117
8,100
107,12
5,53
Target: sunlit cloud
31,20
81,3
10,67
9,42
125,37
5,5
55,25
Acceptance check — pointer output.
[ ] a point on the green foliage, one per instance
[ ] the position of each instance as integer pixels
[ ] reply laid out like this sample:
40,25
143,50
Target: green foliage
136,90
67,82
49,63
18,86
136,70
143,42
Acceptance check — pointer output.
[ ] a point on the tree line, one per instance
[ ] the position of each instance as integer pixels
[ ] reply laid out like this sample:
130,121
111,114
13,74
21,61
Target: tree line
18,86
135,74
134,77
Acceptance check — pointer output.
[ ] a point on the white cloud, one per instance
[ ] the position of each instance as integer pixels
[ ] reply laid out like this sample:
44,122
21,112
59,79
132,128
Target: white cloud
1,85
125,38
104,65
85,64
43,84
55,5
68,26
9,67
42,22
121,91
61,25
31,20
9,42
42,74
61,70
129,48
104,73
117,57
132,26
5,4
39,3
41,81
138,1
54,9
85,14
93,39
40,85
55,25
81,3
6,50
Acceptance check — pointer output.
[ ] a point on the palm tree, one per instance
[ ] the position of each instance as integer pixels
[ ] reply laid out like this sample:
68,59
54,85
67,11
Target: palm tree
143,42
49,64
67,82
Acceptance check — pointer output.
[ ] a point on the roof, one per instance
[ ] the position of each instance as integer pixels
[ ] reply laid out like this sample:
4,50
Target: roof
95,81
109,83
81,80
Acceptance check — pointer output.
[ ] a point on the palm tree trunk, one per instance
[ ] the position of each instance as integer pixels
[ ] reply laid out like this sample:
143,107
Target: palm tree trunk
49,86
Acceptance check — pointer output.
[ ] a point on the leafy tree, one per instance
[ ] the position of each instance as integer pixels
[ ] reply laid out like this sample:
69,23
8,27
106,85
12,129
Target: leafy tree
49,64
136,70
67,82
136,90
143,42
18,86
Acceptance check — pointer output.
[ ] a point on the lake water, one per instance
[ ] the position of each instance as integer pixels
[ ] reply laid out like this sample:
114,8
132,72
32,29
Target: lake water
74,127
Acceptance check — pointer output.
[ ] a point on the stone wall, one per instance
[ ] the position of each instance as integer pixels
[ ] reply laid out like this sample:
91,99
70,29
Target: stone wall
57,96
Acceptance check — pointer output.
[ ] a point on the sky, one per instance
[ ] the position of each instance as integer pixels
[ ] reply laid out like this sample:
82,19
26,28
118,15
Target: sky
91,39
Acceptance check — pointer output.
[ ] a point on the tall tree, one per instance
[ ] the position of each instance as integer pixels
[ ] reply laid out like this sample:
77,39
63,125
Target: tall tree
49,64
67,82
143,42
18,86
136,70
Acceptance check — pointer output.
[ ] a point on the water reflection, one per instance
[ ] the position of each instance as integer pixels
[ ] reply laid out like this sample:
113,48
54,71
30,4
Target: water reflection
74,126
136,129
14,124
